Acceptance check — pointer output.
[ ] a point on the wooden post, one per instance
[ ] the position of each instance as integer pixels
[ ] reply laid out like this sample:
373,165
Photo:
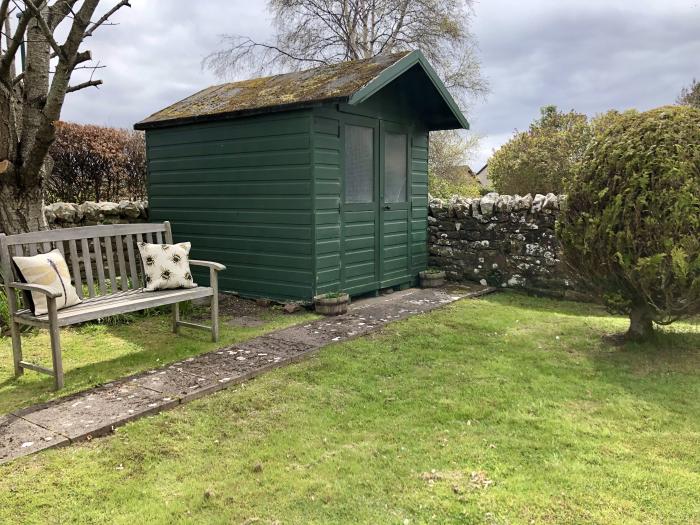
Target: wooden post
55,343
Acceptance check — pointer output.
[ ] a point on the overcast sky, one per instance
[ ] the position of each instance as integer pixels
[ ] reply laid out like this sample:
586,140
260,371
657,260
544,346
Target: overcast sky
587,55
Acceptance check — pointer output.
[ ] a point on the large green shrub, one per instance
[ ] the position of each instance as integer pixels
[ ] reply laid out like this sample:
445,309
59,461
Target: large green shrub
631,227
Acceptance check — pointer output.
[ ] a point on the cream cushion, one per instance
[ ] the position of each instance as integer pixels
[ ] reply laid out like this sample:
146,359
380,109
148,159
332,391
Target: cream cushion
50,270
166,266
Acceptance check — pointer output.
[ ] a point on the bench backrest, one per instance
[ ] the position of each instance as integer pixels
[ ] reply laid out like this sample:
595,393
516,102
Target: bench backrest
105,258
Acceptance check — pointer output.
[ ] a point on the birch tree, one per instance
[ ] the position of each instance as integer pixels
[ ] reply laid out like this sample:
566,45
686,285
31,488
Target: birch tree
33,88
311,33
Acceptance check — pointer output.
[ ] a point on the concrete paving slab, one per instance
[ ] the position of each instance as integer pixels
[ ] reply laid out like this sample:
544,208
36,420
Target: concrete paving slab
19,437
97,412
175,381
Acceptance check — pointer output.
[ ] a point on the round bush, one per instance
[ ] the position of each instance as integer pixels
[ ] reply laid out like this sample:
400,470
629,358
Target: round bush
631,226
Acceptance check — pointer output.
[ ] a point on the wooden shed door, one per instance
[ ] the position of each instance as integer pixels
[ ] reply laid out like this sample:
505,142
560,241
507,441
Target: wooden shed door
359,209
395,208
375,211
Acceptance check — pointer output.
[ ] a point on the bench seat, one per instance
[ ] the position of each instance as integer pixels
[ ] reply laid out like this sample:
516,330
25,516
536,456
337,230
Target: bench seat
119,303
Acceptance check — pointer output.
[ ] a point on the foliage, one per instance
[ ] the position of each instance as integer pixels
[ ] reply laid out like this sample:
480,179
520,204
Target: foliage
540,159
406,426
467,186
632,223
690,96
310,33
94,163
447,169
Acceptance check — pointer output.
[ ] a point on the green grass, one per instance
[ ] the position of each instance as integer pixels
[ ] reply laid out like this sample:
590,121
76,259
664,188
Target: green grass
520,391
98,353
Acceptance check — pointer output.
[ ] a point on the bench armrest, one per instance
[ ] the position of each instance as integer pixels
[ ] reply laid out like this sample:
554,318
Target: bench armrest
36,288
213,265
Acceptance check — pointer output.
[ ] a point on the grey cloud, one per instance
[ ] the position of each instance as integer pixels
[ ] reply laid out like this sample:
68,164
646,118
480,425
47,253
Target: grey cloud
588,55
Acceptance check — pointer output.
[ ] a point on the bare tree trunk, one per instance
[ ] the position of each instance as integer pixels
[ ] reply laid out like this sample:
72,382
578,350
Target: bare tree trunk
641,325
21,209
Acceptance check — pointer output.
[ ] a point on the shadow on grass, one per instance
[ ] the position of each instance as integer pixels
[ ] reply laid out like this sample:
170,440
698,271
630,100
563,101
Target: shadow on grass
536,303
145,353
99,353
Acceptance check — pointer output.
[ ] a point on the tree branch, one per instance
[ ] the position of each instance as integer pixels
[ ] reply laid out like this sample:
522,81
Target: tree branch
4,7
48,34
83,56
83,85
13,45
105,17
59,11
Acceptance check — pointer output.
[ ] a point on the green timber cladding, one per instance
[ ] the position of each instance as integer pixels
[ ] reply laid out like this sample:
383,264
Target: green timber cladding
323,187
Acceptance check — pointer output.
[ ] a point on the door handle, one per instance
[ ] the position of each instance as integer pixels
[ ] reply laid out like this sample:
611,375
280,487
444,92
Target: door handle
387,207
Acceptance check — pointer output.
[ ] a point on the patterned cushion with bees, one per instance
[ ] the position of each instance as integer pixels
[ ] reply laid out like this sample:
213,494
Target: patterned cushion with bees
50,270
166,266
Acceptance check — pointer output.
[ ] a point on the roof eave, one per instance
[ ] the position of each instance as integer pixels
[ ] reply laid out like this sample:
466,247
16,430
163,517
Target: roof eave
397,69
216,117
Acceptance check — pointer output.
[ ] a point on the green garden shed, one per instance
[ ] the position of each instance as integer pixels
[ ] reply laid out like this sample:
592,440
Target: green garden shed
303,183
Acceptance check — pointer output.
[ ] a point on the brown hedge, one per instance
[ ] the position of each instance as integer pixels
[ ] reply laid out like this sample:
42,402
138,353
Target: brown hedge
96,163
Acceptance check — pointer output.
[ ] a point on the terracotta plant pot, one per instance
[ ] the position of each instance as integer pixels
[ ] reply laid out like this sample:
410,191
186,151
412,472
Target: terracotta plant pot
334,305
432,279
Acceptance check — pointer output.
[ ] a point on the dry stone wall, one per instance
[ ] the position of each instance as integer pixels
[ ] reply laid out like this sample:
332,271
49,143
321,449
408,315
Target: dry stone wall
500,240
69,215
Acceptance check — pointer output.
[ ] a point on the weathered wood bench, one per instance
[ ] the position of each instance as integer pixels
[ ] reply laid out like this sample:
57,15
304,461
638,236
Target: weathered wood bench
106,261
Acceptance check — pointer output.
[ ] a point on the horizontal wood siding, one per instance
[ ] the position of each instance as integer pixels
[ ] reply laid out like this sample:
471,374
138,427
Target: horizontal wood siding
419,202
327,179
241,191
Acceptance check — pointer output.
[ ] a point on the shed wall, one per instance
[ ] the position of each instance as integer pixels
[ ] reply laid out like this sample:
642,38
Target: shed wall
419,201
327,177
242,192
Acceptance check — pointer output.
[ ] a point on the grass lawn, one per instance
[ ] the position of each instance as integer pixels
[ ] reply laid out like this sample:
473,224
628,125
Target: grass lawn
506,409
98,353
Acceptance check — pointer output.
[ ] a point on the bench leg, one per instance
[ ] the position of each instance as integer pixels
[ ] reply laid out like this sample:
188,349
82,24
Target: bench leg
214,283
55,345
15,332
176,318
215,317
16,348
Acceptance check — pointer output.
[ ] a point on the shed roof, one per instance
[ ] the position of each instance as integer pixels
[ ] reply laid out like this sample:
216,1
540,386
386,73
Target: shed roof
352,82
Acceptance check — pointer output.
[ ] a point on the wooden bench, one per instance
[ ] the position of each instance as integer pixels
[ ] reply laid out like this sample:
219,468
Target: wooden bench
106,261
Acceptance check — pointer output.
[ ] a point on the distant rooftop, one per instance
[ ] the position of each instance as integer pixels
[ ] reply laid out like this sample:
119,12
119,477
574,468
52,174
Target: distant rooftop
336,82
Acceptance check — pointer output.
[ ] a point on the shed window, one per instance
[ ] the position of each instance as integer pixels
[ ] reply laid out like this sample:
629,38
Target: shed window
359,164
395,173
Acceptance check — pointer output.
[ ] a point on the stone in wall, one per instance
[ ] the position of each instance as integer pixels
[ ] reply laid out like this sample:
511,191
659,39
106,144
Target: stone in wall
507,241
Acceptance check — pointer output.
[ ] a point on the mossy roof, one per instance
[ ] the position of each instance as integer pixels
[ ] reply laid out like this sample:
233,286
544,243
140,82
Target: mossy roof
336,82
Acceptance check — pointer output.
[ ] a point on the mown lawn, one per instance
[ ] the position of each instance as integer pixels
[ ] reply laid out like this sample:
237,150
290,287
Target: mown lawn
98,353
506,409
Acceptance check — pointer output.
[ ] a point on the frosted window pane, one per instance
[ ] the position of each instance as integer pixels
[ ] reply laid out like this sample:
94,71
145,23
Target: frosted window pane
359,164
395,168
